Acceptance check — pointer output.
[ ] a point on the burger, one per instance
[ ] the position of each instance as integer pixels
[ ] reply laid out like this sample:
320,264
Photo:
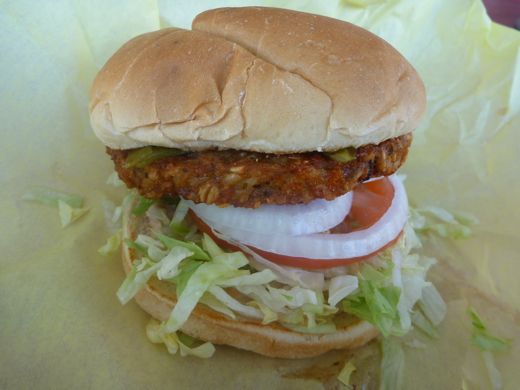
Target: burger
261,148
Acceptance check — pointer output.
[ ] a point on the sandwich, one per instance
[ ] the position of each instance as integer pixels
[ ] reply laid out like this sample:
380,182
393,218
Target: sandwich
261,148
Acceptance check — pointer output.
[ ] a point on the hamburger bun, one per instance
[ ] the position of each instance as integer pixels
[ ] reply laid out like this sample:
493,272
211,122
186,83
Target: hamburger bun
257,79
158,299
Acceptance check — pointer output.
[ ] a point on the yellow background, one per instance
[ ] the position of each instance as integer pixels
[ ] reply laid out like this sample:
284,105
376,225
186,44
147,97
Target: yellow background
61,325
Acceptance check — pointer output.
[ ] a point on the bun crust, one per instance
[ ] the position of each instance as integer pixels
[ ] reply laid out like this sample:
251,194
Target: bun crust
158,298
259,79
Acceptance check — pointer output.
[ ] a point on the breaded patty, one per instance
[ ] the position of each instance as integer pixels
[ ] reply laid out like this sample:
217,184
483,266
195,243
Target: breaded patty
249,179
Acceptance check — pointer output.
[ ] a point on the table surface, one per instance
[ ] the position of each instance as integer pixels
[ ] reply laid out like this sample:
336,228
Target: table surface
506,12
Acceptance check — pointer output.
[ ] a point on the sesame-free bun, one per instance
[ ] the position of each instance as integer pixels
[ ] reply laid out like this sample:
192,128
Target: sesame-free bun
259,79
158,298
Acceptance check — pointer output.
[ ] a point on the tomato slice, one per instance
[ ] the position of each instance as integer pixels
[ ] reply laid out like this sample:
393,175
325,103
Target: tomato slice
370,202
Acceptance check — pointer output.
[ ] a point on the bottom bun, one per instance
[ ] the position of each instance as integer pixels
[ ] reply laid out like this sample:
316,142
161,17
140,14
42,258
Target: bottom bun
158,298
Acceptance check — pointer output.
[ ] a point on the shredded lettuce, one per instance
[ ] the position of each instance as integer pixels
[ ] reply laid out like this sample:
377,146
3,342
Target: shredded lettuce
197,285
494,374
392,365
205,277
292,317
269,315
187,345
346,372
70,206
487,343
136,279
375,302
187,268
257,279
170,263
112,245
51,197
440,221
142,206
340,287
262,294
157,214
387,295
294,297
233,304
213,303
432,304
152,248
146,242
397,265
234,260
299,309
135,246
143,269
413,277
177,224
482,338
69,214
112,215
198,252
210,246
318,315
422,323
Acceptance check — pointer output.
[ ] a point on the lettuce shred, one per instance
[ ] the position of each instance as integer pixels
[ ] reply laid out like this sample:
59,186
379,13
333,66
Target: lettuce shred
439,221
112,215
487,343
70,206
177,225
482,338
112,245
346,372
494,374
142,206
69,214
388,296
178,341
51,197
392,365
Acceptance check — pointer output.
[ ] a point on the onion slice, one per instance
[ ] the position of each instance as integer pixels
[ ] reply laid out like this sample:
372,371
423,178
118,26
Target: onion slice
292,220
331,246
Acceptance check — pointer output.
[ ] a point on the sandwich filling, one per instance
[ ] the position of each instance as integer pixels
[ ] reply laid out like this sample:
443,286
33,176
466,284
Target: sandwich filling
387,288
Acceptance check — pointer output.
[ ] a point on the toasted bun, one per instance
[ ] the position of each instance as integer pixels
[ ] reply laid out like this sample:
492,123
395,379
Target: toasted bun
260,79
158,299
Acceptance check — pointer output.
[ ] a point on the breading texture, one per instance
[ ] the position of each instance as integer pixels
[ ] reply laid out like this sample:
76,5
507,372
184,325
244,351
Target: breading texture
248,179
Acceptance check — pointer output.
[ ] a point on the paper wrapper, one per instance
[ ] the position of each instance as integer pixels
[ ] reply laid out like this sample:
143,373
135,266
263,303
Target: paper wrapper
61,325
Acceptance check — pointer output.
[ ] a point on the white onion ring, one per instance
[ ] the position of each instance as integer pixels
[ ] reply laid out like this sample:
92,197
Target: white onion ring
333,246
291,220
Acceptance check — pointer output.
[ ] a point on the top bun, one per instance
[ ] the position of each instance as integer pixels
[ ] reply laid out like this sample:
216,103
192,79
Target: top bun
259,79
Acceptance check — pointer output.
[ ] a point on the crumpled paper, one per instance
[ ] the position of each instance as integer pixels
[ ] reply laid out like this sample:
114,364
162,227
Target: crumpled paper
61,325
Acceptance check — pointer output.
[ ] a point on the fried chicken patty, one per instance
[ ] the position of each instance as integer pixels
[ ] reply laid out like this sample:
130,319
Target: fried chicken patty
250,179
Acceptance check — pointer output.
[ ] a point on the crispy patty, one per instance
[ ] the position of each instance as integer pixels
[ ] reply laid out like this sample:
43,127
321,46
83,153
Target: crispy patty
249,179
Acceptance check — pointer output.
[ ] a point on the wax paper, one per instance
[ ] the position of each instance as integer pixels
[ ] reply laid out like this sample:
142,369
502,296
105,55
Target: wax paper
61,325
